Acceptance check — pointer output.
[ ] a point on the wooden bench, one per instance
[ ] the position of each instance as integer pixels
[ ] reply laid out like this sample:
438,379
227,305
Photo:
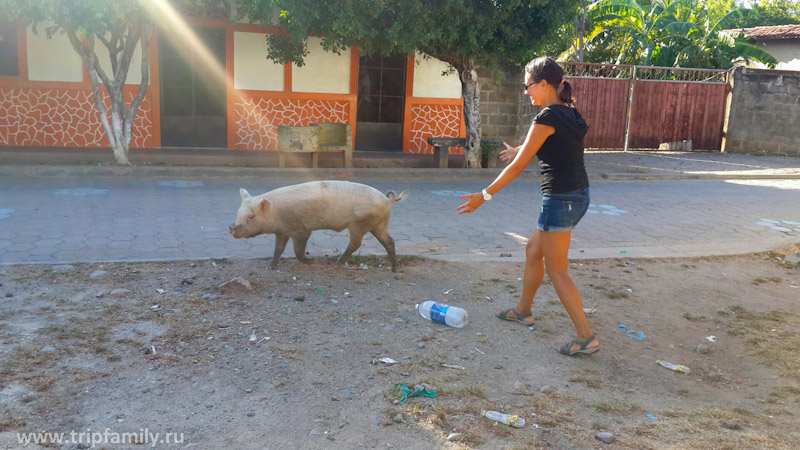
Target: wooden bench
441,149
316,138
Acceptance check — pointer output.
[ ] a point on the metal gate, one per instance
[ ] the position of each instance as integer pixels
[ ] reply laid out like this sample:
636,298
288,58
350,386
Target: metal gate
643,107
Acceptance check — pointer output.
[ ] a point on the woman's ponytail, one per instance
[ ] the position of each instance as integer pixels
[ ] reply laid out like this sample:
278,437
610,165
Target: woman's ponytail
564,91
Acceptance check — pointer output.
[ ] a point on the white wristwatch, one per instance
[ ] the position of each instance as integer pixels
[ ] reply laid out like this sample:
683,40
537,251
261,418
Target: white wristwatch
486,196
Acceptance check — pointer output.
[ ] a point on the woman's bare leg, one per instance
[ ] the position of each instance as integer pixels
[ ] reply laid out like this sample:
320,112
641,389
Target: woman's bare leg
534,273
555,247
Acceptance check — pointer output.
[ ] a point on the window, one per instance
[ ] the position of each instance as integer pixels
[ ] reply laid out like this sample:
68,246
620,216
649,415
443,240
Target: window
9,60
382,87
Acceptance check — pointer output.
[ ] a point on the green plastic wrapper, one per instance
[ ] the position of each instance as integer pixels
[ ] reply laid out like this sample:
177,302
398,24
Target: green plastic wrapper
418,393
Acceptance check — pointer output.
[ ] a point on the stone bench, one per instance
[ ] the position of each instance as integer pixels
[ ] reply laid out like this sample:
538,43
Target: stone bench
335,137
316,138
441,149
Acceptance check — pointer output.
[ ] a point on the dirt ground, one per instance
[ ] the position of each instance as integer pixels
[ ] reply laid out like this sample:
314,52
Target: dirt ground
294,363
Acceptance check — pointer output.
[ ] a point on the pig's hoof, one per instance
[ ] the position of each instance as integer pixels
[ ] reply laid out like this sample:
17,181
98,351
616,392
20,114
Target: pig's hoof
305,260
273,266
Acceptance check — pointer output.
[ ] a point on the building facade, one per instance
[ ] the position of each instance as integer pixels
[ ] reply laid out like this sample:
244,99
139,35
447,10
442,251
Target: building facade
224,93
780,41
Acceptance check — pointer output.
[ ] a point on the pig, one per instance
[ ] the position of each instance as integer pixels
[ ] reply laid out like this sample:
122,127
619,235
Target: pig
295,211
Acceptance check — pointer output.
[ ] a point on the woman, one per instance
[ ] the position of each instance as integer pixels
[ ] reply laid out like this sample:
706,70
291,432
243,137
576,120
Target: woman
556,136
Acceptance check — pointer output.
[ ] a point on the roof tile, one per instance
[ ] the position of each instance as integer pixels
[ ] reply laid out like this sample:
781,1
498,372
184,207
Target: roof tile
773,32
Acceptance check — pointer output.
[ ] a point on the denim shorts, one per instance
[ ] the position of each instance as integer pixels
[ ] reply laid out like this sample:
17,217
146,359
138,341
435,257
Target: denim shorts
562,211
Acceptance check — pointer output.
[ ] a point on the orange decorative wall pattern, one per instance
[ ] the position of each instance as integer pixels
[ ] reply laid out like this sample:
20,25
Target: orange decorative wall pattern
62,118
432,120
257,119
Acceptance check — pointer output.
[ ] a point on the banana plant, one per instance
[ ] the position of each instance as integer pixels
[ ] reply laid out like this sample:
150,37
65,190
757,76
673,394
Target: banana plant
669,33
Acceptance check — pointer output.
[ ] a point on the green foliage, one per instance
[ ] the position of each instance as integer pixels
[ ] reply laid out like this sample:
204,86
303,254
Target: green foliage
467,34
490,147
460,32
87,16
670,33
767,13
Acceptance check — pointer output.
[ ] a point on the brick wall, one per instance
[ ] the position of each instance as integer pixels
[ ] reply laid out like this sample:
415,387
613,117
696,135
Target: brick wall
503,108
763,112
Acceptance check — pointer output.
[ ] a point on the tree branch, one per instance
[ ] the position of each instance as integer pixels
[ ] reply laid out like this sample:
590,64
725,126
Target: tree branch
146,33
87,56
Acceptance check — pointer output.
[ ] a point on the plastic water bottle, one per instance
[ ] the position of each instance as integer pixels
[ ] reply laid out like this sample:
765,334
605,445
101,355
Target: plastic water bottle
508,419
675,367
446,314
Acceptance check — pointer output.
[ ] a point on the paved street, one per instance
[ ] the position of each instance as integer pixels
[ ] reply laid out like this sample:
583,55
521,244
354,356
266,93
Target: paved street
61,220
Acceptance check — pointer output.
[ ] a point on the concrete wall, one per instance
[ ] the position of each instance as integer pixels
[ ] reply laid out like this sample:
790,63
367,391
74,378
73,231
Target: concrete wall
323,72
763,112
251,68
429,81
505,112
786,51
52,59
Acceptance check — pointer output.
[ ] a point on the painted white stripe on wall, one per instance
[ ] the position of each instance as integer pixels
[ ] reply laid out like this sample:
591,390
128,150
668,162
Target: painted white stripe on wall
429,82
251,68
52,59
323,72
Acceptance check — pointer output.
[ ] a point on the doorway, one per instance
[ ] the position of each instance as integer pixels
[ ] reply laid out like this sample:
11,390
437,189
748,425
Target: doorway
381,102
193,102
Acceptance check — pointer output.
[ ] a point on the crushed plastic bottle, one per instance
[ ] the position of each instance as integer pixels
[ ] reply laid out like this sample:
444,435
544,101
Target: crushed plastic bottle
442,313
675,367
508,419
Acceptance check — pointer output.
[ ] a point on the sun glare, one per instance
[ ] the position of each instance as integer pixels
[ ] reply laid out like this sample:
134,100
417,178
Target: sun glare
171,24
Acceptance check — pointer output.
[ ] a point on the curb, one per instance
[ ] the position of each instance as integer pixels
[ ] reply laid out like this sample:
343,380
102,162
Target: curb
302,174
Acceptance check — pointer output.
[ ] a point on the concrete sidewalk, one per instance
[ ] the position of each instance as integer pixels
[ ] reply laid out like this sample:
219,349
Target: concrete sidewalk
600,165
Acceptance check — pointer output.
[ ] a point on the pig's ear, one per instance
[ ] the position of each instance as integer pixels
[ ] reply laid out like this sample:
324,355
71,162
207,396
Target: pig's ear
263,207
244,194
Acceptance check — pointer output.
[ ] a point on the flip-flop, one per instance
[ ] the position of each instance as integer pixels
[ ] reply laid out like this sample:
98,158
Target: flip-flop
517,317
566,349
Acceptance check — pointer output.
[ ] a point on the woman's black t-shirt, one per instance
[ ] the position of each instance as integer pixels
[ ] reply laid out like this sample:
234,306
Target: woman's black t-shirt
561,155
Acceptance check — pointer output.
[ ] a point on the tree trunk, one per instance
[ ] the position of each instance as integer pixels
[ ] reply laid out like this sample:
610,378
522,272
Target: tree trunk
581,32
120,130
115,140
117,110
145,33
471,92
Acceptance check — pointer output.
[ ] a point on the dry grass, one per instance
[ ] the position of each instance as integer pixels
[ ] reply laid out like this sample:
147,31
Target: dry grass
761,280
462,391
771,336
692,318
8,423
592,383
711,428
783,394
615,406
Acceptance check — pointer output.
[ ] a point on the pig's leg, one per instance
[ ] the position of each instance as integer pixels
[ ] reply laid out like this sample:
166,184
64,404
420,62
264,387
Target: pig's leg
300,247
280,244
388,244
356,235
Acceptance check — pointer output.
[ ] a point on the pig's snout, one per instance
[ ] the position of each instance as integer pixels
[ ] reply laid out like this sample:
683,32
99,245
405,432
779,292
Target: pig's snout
234,230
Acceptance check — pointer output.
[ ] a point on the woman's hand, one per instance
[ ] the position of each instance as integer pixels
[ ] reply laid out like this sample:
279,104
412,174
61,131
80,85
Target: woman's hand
509,153
474,202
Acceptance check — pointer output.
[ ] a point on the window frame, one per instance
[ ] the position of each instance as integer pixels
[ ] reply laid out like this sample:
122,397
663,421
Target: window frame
22,60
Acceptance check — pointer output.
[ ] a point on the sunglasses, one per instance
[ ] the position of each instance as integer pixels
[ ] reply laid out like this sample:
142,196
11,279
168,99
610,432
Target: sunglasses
526,86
